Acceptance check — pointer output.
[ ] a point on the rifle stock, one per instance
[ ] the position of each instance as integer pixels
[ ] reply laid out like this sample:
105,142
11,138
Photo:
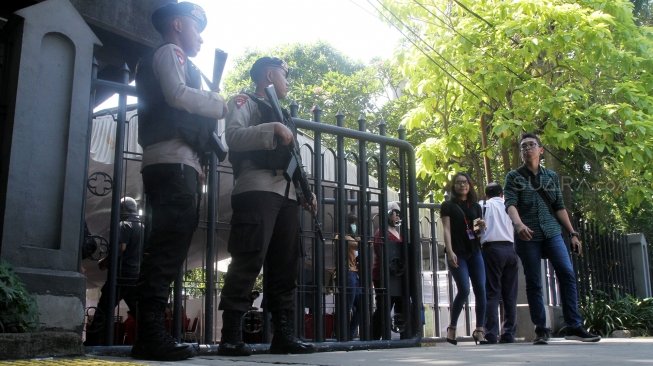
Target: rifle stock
219,62
294,172
218,68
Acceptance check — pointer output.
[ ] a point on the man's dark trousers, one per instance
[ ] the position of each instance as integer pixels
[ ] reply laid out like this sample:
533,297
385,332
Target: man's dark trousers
501,267
264,228
172,196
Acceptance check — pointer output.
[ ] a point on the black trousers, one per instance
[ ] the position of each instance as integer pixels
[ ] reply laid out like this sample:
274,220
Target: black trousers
172,196
396,303
123,292
264,230
501,269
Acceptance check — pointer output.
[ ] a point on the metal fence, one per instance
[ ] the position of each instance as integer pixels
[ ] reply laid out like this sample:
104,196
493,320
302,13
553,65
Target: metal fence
606,264
349,189
345,180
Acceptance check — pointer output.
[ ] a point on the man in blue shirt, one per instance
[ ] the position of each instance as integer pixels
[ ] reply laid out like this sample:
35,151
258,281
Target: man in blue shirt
534,203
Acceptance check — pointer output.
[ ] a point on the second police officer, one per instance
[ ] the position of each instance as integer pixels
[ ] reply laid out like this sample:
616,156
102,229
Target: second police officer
265,220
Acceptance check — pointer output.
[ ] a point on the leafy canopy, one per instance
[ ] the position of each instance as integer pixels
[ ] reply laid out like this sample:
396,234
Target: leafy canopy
319,75
579,73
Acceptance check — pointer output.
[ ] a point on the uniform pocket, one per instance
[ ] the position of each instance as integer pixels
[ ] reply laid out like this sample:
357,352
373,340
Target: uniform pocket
247,232
177,212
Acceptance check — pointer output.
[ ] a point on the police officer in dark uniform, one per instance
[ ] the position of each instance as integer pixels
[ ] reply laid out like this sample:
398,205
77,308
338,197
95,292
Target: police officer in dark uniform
175,117
129,262
265,220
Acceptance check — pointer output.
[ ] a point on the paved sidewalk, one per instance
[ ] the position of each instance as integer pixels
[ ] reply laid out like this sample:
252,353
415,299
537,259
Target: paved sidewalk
559,352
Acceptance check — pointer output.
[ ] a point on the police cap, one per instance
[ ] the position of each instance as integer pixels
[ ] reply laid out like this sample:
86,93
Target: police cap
259,66
128,205
164,13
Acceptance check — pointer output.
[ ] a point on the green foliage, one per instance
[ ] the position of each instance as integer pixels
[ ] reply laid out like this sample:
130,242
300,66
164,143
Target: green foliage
195,282
18,312
643,10
319,75
603,314
579,73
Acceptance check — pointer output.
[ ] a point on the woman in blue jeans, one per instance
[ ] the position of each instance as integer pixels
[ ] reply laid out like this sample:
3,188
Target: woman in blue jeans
462,221
354,289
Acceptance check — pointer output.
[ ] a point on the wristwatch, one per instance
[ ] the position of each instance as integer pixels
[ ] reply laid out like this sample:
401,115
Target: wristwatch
574,233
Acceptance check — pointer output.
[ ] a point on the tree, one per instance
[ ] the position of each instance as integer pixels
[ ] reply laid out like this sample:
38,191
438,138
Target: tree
643,11
195,282
577,72
319,75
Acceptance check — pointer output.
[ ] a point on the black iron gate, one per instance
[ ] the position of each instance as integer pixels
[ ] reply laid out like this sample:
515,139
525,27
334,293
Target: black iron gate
338,193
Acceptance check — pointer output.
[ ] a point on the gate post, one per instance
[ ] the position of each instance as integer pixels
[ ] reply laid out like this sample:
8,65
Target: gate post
641,270
45,158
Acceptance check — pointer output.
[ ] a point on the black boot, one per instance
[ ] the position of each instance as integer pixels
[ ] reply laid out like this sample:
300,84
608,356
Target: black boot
284,340
232,343
153,342
95,331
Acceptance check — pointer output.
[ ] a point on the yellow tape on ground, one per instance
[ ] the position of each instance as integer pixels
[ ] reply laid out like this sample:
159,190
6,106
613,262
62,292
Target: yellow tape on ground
68,362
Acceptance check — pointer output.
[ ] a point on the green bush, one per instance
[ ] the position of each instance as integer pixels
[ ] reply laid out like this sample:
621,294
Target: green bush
604,313
18,312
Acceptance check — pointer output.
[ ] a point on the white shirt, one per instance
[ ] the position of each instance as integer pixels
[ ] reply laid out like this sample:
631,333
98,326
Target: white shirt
498,226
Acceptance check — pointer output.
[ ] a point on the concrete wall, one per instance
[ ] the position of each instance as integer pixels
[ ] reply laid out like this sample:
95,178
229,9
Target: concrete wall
129,19
42,220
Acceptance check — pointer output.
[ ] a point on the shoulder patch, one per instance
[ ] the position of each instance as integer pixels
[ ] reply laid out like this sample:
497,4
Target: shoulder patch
240,99
180,56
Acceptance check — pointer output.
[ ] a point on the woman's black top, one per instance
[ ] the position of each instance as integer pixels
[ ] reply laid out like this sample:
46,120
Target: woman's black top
461,217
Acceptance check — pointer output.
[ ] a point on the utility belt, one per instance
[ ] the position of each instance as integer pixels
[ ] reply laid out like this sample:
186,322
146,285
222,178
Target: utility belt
495,243
251,164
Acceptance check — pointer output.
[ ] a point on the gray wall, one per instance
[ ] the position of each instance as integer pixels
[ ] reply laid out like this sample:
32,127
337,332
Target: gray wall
42,220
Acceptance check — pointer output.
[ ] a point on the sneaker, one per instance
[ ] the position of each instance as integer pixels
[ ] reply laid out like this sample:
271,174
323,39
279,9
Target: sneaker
507,338
491,338
580,334
542,336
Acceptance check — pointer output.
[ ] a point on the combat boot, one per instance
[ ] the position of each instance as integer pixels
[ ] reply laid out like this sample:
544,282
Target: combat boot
284,340
153,342
95,330
232,343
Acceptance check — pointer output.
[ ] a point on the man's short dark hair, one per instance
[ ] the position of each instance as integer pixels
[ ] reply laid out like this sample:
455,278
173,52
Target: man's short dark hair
493,189
258,69
530,135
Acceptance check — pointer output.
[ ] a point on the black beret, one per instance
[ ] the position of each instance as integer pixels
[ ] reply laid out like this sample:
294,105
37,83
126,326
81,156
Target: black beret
162,14
264,62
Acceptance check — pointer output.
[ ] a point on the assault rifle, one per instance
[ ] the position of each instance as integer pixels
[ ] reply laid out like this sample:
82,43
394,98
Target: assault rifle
294,172
215,142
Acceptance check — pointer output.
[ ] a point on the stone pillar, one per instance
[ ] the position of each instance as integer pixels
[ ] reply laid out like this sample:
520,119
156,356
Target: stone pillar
42,217
641,269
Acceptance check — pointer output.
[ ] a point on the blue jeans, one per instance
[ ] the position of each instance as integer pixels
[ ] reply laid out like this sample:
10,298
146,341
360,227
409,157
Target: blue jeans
554,249
472,268
354,292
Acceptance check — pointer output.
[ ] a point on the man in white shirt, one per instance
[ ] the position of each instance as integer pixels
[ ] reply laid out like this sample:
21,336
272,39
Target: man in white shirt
497,241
